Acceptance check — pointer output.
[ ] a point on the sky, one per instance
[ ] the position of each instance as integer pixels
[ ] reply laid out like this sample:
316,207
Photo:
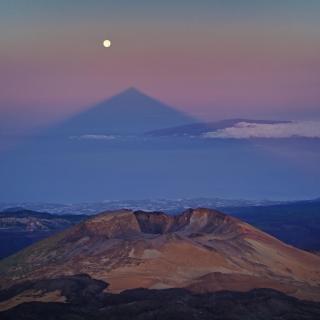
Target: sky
214,59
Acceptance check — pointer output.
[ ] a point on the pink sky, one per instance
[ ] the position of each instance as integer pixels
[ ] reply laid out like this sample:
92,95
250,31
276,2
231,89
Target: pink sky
210,65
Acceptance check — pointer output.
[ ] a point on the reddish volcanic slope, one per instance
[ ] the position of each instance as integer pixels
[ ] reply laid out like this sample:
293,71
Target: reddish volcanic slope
201,249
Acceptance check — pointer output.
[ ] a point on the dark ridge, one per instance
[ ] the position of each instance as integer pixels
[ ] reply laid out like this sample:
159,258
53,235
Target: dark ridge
79,288
199,128
86,300
20,227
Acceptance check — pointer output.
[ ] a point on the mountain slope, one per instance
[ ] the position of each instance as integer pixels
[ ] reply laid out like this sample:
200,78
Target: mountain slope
19,219
129,112
201,249
296,223
20,228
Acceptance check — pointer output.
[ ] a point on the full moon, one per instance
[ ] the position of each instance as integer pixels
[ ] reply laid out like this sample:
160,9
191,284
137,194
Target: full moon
107,43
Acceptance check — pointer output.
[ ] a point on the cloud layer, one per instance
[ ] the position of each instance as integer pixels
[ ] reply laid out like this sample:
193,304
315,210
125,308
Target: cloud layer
94,137
246,130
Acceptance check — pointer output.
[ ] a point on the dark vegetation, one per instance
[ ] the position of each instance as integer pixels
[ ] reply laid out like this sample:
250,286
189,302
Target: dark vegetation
85,299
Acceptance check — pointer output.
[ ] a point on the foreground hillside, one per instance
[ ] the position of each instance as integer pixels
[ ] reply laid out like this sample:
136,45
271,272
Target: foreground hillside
202,250
81,297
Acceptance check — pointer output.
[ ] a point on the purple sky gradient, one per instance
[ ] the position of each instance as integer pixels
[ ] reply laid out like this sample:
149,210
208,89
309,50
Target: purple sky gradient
211,59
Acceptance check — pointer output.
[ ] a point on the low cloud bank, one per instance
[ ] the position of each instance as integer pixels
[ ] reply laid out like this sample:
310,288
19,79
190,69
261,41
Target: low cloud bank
94,137
246,130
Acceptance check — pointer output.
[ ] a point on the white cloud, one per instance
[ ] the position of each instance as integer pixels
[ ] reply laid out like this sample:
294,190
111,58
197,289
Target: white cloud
246,130
94,137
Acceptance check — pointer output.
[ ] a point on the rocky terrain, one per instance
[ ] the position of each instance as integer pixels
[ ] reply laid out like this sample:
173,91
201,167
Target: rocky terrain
81,297
201,250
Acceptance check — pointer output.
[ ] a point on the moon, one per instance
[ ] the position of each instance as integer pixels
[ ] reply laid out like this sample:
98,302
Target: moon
107,43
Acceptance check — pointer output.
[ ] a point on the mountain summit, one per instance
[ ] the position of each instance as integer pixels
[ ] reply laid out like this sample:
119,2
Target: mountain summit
202,250
129,112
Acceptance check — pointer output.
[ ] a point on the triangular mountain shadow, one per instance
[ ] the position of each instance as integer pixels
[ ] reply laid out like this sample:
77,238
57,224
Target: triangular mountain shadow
129,112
